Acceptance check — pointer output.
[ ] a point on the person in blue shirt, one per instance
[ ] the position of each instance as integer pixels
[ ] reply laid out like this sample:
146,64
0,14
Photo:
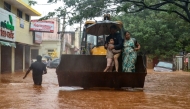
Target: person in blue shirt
118,44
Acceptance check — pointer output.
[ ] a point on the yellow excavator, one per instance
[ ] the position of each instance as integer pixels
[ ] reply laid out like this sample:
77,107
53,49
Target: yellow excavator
86,70
92,44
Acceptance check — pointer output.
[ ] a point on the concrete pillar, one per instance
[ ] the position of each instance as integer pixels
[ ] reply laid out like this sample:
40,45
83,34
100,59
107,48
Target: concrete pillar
188,63
13,60
23,58
30,62
0,58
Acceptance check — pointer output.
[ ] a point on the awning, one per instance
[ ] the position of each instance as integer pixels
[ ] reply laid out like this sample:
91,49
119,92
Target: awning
23,7
8,44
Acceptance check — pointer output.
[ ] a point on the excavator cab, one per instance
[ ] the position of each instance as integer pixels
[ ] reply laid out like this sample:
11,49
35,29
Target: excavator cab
92,44
86,70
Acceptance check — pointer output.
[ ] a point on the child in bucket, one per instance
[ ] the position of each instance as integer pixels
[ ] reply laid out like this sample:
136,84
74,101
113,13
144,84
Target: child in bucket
109,56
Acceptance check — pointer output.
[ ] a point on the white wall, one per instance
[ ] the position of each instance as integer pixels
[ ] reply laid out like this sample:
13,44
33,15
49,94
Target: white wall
49,45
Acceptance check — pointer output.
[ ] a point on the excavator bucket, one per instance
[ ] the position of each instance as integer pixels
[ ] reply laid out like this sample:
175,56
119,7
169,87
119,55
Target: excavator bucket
87,71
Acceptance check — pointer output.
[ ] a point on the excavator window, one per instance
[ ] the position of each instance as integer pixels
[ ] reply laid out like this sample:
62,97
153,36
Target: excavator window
96,40
101,41
92,41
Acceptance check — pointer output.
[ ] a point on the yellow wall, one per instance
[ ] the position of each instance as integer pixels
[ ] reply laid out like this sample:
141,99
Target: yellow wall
1,3
23,35
14,11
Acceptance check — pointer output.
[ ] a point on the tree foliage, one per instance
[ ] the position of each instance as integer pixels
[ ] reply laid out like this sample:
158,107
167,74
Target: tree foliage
159,34
31,2
160,26
179,7
85,9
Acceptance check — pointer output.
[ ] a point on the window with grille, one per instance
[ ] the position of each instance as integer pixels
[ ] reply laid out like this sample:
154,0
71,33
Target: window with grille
19,13
27,17
7,6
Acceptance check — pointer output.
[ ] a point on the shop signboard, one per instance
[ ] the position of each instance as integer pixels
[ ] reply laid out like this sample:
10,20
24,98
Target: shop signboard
42,26
38,37
7,25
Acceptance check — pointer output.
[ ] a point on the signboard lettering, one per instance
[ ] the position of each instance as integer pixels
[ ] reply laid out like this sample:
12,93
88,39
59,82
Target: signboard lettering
7,25
42,26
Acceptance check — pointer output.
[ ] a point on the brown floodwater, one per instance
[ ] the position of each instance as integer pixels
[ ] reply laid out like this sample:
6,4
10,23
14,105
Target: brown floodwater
161,91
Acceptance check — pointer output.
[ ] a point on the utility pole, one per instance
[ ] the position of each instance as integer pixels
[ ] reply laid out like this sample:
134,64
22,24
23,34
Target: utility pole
80,36
62,34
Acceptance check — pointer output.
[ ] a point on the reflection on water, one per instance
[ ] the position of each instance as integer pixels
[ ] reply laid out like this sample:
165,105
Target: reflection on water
70,88
162,90
108,99
76,88
132,89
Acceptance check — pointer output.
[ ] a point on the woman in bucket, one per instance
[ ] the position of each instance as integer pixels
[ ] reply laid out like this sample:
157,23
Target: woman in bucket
130,48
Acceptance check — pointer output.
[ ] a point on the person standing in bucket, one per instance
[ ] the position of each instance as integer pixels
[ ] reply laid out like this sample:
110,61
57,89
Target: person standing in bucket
109,56
38,69
118,44
131,46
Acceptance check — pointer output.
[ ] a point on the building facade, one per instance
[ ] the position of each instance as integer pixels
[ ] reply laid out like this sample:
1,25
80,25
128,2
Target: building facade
16,40
51,41
69,46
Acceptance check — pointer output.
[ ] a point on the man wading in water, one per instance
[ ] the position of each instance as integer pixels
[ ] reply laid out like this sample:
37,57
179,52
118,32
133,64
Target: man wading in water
38,69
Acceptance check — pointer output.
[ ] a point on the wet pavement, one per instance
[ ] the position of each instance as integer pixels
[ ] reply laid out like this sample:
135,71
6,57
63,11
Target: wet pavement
161,91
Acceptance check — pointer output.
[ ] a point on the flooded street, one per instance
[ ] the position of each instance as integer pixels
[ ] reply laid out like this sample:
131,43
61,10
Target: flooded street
162,90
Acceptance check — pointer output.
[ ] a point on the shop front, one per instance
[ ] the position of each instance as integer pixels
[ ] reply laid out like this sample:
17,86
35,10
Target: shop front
7,41
19,57
6,59
27,56
22,57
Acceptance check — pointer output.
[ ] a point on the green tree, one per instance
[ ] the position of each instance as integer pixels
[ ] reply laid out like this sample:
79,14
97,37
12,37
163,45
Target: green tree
31,2
84,9
159,34
178,7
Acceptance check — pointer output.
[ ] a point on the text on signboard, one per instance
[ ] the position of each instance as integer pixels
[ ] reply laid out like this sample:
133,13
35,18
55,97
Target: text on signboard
46,27
6,33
